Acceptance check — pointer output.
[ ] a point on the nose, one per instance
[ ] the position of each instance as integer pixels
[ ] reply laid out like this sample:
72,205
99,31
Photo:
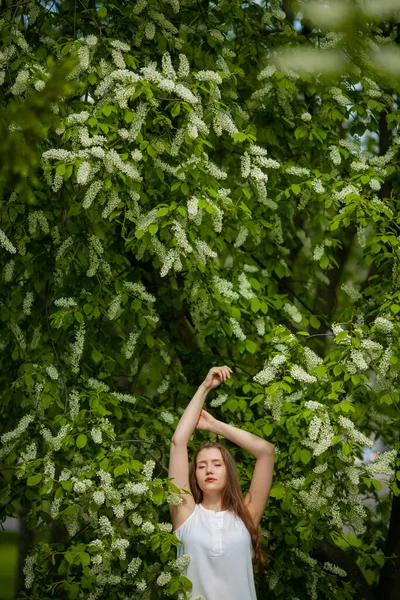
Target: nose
209,470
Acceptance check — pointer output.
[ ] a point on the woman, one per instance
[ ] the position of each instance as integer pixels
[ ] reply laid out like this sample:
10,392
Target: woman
216,525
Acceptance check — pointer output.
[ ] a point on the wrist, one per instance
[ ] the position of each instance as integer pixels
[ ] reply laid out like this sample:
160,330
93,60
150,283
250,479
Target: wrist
217,427
203,388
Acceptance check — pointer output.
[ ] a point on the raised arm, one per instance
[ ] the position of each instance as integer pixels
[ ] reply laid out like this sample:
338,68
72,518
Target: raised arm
178,460
262,450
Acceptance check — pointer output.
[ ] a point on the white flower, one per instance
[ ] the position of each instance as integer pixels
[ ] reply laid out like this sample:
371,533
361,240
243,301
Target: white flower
96,435
382,464
293,312
99,497
236,329
353,433
5,242
105,526
167,417
299,171
52,372
148,469
335,569
79,487
301,375
306,117
208,76
383,325
312,359
147,527
135,563
182,562
163,579
219,400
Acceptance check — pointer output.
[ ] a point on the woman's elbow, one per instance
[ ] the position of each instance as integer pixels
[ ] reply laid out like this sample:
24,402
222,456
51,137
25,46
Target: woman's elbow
268,448
178,440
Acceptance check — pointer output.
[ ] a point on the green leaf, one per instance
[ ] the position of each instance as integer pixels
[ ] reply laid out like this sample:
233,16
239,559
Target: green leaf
96,355
176,109
255,305
128,116
153,228
85,559
162,211
107,110
102,11
34,479
305,456
61,169
277,491
314,322
120,470
81,440
251,346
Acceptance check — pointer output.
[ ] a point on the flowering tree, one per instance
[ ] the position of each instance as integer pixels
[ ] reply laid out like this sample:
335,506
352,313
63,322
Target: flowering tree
185,184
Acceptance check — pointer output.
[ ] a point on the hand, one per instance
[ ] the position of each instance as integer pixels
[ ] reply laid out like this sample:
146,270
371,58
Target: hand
216,376
206,421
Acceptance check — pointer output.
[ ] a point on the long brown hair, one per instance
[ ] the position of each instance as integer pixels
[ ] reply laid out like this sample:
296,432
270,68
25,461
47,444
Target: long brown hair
232,497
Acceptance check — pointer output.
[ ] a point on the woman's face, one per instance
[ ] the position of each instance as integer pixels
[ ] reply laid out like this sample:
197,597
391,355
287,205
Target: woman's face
210,471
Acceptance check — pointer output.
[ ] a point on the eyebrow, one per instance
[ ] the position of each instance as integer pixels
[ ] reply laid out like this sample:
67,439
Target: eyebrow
212,460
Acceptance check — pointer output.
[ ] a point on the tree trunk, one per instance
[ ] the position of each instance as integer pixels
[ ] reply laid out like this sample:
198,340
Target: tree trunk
327,552
389,581
24,543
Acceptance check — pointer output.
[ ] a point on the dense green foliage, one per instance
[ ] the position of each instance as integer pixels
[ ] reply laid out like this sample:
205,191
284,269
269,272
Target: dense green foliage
178,193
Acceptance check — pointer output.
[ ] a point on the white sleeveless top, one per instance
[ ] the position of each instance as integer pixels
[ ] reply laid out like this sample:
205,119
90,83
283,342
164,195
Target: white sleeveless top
220,549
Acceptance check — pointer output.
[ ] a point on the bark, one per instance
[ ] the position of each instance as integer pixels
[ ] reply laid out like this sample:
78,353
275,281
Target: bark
389,581
327,552
24,543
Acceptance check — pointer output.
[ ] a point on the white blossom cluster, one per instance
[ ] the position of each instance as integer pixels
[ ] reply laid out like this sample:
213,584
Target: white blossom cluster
383,325
134,567
9,271
270,370
74,404
353,433
105,526
52,372
236,329
298,171
77,348
28,570
300,374
219,400
334,569
224,287
382,465
96,434
120,545
147,528
138,290
65,302
27,303
18,431
293,312
167,417
6,244
312,359
163,579
148,469
182,562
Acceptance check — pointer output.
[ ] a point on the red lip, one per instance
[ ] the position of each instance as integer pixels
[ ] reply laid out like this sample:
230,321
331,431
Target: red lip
211,479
